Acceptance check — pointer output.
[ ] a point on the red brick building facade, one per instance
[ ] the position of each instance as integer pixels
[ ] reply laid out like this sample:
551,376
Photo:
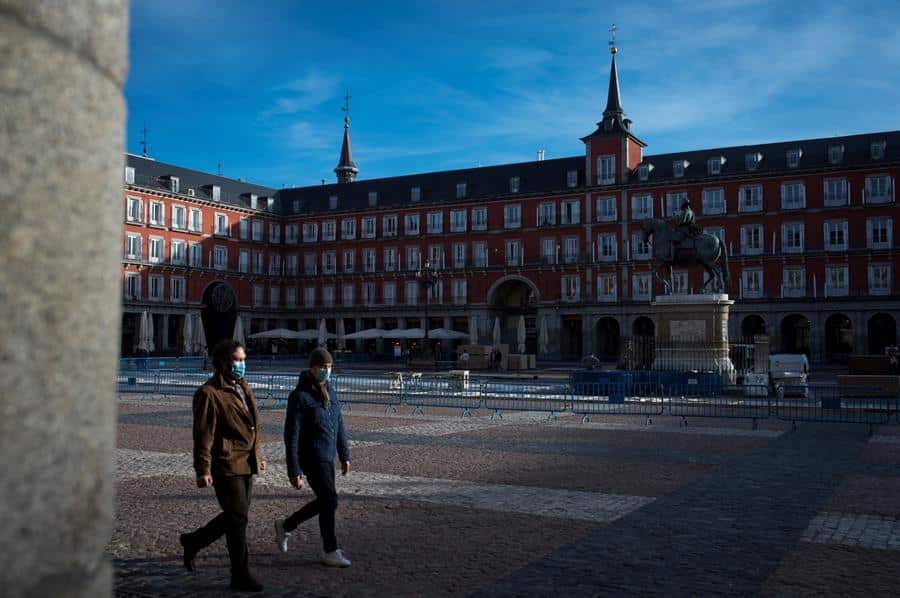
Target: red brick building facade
808,225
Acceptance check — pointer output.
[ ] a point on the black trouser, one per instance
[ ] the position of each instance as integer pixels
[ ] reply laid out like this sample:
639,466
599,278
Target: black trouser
320,475
233,494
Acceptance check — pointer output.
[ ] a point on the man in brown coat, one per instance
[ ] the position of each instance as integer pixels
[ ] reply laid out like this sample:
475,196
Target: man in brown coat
226,456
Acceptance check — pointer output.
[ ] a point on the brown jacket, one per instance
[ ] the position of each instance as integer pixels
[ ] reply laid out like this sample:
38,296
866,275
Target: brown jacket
226,435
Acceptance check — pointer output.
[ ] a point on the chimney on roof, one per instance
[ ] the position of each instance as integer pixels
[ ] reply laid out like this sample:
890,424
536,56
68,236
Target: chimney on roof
540,155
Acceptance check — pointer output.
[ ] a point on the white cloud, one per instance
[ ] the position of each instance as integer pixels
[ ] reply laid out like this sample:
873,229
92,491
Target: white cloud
304,94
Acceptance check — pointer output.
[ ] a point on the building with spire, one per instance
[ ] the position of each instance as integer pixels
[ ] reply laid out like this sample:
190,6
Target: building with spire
808,224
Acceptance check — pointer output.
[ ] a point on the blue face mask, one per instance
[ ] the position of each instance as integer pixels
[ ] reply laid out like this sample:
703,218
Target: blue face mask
238,369
323,374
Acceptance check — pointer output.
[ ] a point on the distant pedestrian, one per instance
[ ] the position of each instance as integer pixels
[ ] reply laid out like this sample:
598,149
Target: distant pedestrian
226,456
205,357
314,435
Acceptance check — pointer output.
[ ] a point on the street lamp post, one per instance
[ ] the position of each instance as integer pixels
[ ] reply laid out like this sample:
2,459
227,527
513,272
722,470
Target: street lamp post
427,277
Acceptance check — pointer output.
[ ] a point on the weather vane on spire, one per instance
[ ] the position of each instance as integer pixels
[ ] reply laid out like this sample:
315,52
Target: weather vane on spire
346,108
612,38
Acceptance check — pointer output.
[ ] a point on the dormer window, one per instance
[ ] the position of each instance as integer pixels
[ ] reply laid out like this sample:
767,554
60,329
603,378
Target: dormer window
835,153
876,150
129,175
793,157
295,206
572,178
678,168
191,192
415,194
373,199
752,160
173,183
270,204
332,202
644,171
460,190
216,193
253,199
514,184
714,165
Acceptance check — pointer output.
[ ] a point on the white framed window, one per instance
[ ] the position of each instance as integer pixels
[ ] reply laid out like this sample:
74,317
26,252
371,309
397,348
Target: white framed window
836,281
570,288
290,234
329,230
328,295
459,291
640,249
794,282
368,293
413,258
257,295
157,213
132,286
157,286
368,260
135,210
290,296
244,229
368,227
644,171
216,193
177,249
876,149
606,287
606,209
879,279
156,251
570,250
310,232
640,286
793,157
793,196
607,247
195,255
373,199
548,250
435,222
348,228
835,153
389,225
792,237
309,296
457,221
641,206
347,295
332,202
254,200
714,165
259,261
176,292
412,292
415,194
349,259
512,215
480,254
295,209
546,214
436,255
678,168
680,282
879,233
606,170
292,264
460,190
195,220
879,189
572,178
274,264
129,175
411,225
479,219
220,257
836,235
132,247
256,228
836,192
244,261
309,263
175,184
714,201
752,283
750,198
514,184
274,233
570,212
270,204
752,239
674,201
459,255
329,262
513,252
221,224
752,160
391,261
389,293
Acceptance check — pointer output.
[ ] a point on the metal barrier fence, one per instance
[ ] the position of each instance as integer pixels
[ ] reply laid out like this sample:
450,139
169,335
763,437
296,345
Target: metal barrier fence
833,404
371,390
449,392
617,398
729,402
552,397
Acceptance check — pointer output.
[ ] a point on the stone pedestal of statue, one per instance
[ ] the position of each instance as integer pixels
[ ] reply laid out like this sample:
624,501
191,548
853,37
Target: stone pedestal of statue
692,334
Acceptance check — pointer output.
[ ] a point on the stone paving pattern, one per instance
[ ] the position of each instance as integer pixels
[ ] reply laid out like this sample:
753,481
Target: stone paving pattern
442,505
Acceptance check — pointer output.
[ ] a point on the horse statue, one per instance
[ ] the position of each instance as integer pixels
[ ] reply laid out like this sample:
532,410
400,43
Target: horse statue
704,249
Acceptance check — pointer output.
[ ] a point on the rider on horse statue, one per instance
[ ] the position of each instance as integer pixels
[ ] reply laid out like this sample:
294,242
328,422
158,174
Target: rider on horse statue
685,224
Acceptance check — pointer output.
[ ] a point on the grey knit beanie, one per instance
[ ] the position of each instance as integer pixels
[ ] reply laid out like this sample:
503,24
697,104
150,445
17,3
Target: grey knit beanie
320,356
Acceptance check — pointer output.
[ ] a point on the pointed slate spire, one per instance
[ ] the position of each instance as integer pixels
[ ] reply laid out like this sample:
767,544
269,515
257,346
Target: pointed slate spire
614,116
346,169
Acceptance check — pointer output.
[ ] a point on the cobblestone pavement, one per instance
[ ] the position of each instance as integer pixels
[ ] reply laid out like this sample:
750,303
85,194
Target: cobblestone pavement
442,505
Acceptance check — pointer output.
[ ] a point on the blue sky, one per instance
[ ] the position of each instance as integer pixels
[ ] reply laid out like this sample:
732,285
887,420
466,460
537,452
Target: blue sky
442,85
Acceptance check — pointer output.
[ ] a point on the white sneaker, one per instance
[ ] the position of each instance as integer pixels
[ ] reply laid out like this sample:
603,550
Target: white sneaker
335,558
281,536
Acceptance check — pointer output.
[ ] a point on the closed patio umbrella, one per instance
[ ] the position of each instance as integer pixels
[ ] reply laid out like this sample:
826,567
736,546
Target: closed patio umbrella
239,331
495,337
142,344
340,334
322,337
543,337
187,333
150,333
520,334
473,330
199,334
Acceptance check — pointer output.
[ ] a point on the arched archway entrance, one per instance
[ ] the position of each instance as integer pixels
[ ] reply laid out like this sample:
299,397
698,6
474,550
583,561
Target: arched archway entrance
795,334
639,355
513,299
882,329
643,326
838,337
752,325
607,338
219,312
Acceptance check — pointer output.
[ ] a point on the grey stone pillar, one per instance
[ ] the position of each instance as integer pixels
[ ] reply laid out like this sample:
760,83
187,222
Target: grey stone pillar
61,171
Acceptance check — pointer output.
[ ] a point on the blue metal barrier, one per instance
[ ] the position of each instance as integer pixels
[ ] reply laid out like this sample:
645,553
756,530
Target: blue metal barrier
172,383
833,404
442,391
741,402
617,398
551,397
373,389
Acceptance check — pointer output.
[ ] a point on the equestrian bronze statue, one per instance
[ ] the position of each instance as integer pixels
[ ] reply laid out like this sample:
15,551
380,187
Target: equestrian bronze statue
686,246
